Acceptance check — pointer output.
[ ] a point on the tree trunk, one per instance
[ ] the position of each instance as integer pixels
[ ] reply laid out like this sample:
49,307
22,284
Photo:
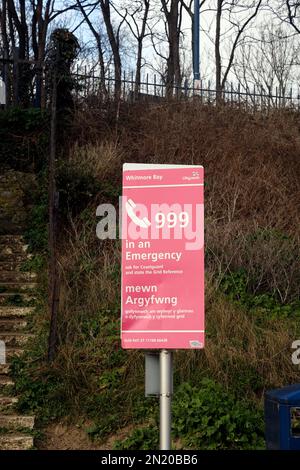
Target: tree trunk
7,71
140,50
114,44
137,83
217,51
173,61
99,48
22,72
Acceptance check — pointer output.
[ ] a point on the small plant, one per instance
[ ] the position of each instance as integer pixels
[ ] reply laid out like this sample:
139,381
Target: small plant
209,417
24,135
35,264
236,286
145,438
204,417
39,391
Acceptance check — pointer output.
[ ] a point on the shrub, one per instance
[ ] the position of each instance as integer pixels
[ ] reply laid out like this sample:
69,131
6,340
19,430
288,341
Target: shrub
24,138
208,417
205,417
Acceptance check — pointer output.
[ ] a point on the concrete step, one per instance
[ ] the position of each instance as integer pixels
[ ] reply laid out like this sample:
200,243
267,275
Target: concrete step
4,369
11,286
15,312
16,442
6,403
5,383
12,324
17,276
13,251
13,352
16,421
15,298
12,339
13,240
12,264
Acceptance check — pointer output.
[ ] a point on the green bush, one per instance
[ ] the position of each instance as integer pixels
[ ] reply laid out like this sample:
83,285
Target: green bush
205,417
145,438
39,391
208,417
76,189
24,138
236,286
36,233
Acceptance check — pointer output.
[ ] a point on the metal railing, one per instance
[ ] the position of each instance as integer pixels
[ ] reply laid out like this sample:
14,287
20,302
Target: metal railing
91,87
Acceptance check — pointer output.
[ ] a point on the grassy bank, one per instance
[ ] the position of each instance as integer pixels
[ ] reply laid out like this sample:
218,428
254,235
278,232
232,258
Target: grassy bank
252,278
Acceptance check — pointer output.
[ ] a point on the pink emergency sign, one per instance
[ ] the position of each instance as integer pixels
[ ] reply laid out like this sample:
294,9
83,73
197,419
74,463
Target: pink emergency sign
162,257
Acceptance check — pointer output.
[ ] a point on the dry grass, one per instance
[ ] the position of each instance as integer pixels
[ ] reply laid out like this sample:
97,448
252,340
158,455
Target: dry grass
252,175
240,353
252,221
97,158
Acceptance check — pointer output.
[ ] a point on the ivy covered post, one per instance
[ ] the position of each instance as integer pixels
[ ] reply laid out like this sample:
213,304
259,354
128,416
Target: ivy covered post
63,51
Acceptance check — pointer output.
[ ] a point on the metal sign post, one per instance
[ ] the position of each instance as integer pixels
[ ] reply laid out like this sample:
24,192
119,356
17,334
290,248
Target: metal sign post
162,271
166,382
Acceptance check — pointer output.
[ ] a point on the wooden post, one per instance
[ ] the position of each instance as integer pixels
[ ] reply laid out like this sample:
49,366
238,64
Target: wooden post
53,280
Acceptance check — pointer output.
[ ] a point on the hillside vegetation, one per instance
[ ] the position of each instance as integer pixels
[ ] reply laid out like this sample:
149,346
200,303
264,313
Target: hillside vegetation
252,211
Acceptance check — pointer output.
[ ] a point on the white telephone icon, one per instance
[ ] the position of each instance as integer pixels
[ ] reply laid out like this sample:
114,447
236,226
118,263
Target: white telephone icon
130,206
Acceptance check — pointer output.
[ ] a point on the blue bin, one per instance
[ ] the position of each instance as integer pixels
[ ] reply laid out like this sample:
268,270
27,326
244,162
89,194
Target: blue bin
282,418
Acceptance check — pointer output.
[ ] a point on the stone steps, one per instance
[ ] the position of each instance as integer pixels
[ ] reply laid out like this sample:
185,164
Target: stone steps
13,339
6,403
16,442
5,383
15,242
13,422
4,369
14,312
22,287
16,291
12,325
15,298
13,352
12,264
17,276
11,252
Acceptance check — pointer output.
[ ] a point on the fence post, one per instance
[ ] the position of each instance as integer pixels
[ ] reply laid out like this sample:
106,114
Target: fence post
16,76
124,85
201,91
147,84
132,87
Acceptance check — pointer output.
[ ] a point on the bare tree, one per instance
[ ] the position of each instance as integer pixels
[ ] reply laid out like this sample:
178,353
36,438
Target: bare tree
24,31
5,49
98,39
172,10
239,20
136,15
114,40
268,63
293,8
